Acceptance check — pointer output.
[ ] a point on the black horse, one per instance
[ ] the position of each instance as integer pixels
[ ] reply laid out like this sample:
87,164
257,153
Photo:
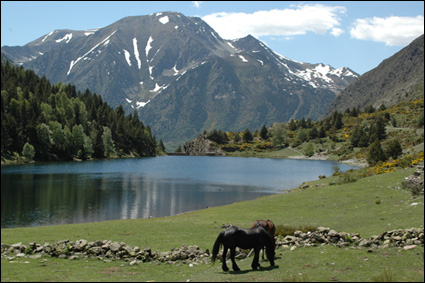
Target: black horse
245,239
268,225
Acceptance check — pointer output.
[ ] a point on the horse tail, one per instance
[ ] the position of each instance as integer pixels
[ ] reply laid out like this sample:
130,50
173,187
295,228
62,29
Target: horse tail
217,244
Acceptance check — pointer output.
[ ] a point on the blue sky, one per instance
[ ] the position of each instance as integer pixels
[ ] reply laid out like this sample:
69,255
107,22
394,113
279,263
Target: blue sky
355,34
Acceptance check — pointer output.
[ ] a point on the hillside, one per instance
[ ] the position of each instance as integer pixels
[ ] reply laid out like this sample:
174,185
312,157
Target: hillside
182,77
398,78
349,136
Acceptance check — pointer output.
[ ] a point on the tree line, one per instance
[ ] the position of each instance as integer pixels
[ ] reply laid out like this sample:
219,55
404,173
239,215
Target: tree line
45,122
366,134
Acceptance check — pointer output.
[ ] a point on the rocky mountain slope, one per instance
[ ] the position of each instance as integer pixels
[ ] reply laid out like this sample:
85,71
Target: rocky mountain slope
182,76
398,78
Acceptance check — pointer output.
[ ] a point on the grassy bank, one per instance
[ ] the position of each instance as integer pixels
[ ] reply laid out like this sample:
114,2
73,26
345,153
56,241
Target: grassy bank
350,207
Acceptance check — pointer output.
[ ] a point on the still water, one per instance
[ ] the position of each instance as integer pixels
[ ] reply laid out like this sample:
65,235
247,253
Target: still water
90,191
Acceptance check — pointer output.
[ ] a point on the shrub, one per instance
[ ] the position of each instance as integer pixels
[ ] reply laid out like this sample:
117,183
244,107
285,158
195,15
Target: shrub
348,177
309,151
414,188
28,152
420,120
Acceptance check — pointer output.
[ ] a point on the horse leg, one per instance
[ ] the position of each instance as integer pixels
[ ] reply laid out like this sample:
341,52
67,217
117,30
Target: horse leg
224,265
232,257
255,262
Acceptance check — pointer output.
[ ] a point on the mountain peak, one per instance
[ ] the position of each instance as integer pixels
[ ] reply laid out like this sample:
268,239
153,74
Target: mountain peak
181,76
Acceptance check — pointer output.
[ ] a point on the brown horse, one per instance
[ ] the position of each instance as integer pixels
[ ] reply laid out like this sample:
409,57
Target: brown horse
268,225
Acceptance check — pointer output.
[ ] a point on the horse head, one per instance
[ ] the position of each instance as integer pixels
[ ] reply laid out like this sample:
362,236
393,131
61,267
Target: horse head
270,248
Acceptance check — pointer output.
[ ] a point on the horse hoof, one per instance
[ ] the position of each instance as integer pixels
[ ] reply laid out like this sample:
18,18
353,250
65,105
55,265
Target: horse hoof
225,269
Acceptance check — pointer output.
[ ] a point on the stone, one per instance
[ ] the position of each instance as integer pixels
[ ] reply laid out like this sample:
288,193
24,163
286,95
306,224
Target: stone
409,247
322,230
95,250
133,262
114,246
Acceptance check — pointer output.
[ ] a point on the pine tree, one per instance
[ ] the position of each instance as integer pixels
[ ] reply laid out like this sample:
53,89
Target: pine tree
247,136
394,149
376,153
108,143
264,133
161,146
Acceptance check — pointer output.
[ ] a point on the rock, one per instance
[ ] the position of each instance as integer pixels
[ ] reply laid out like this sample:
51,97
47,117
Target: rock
409,247
322,230
114,246
36,256
129,250
201,145
290,239
320,238
133,262
94,250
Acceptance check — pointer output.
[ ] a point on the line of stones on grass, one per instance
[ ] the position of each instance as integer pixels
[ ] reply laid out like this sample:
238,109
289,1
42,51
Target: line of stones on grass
405,238
193,255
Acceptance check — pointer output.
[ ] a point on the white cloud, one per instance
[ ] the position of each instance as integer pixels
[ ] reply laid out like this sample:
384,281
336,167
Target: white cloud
287,22
337,32
197,4
393,31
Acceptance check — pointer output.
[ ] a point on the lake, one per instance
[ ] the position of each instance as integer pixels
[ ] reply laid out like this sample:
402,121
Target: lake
91,191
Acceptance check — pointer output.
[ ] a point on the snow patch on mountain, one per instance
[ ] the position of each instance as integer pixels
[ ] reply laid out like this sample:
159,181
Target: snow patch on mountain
164,20
127,57
148,46
158,88
67,38
243,58
140,104
136,53
176,72
72,64
49,34
150,72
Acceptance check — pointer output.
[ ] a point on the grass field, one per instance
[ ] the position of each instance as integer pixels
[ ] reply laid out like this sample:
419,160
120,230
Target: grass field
350,207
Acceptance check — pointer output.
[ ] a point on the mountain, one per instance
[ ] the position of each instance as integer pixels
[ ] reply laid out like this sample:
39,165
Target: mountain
182,76
398,78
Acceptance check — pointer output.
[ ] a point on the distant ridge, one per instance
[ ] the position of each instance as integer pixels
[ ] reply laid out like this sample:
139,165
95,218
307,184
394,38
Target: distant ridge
398,78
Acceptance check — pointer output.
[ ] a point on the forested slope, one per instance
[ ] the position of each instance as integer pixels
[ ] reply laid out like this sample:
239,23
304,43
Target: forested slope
45,122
